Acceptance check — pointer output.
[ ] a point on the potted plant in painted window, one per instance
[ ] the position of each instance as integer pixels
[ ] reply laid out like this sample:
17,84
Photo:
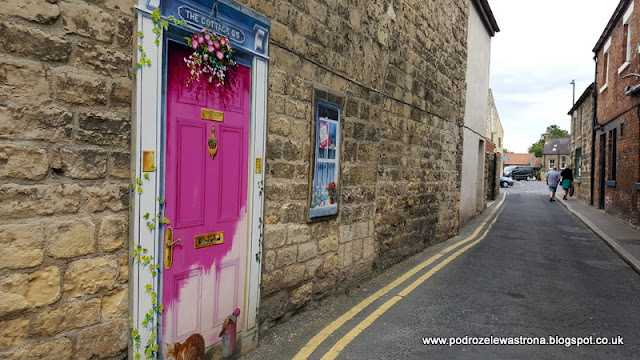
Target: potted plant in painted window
211,57
331,190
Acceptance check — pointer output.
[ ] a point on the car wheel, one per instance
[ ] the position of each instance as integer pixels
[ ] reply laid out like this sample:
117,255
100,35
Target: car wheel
504,184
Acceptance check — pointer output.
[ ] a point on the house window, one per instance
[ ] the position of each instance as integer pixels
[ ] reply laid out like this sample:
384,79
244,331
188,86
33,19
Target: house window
563,162
552,163
613,144
578,164
324,196
605,61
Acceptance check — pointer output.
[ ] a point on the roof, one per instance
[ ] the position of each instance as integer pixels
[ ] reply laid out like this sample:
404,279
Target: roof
617,14
517,159
562,146
487,16
587,92
538,162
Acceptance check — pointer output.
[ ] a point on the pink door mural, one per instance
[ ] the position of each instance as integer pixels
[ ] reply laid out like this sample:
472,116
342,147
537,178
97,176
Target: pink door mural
206,201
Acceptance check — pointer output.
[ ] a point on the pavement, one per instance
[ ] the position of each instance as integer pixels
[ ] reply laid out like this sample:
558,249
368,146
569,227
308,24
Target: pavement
620,236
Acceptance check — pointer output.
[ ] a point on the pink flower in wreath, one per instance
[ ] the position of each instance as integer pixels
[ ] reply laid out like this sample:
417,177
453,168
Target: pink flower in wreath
216,44
223,41
210,49
200,39
207,36
209,42
194,44
219,55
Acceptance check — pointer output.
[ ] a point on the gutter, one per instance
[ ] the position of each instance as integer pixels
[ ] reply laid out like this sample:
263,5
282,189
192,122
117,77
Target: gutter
593,131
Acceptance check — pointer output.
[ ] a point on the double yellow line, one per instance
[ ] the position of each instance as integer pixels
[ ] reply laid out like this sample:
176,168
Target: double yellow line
310,347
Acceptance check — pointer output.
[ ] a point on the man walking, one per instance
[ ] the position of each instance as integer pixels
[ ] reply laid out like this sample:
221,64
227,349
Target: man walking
553,178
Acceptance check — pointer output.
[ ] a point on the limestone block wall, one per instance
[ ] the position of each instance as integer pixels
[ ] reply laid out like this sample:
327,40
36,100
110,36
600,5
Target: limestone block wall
398,69
65,124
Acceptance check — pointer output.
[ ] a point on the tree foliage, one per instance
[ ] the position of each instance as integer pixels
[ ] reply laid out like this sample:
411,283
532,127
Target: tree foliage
556,132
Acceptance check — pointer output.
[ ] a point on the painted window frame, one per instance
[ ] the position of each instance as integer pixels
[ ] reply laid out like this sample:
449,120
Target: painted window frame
626,25
578,163
605,54
326,165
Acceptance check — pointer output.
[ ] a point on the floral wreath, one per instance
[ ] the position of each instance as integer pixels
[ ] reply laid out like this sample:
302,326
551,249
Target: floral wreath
211,57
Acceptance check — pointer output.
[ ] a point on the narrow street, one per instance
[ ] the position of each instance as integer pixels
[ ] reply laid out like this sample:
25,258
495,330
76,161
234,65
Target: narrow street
536,275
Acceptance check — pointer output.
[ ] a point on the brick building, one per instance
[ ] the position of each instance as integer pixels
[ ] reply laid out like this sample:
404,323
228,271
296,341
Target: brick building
582,144
338,155
617,139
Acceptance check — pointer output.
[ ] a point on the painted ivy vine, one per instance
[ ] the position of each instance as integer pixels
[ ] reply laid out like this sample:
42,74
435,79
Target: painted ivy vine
159,24
141,257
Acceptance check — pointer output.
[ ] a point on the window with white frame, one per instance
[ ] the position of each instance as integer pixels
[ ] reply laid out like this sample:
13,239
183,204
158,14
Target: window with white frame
626,39
563,162
552,163
605,61
324,196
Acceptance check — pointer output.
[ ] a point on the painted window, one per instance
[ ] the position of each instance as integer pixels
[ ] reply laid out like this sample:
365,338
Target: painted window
613,145
626,39
578,163
552,163
324,196
605,69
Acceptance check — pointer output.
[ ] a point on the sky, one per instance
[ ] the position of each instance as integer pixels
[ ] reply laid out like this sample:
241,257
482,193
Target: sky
542,45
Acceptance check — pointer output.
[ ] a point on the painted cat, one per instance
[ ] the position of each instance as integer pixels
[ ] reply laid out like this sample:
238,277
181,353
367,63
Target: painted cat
191,349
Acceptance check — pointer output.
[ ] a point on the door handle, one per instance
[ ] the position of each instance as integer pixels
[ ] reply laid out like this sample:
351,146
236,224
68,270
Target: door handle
168,247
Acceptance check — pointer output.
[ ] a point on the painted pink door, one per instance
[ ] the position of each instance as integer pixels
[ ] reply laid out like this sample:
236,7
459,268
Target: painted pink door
204,196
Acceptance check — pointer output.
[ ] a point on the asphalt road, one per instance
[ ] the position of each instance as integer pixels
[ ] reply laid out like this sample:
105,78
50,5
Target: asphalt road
538,275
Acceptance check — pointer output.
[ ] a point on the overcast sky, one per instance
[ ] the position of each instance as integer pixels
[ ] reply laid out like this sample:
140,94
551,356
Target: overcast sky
542,45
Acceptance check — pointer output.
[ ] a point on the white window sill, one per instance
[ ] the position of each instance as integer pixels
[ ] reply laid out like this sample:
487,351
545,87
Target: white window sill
604,87
624,66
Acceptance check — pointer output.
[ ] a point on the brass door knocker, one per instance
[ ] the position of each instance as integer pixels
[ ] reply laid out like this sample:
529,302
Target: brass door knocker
212,142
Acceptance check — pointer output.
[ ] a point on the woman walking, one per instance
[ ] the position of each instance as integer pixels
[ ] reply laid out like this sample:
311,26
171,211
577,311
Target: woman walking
567,181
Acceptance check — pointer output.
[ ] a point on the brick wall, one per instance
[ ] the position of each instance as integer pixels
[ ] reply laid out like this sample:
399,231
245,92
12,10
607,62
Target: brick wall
622,200
401,74
65,85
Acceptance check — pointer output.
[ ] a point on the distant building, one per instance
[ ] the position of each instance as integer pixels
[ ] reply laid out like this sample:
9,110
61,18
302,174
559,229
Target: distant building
582,143
616,145
495,132
527,159
556,153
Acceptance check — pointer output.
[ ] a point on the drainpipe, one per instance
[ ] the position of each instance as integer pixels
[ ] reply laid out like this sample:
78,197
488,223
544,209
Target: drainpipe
593,130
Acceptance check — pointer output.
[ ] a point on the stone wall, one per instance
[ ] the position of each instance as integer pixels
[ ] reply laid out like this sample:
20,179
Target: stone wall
400,71
492,172
65,85
581,138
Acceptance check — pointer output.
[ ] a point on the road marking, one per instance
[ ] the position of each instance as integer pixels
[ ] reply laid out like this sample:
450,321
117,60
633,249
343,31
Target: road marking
310,347
344,341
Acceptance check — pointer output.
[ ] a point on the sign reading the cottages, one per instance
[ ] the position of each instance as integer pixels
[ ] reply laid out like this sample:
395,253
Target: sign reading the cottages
202,20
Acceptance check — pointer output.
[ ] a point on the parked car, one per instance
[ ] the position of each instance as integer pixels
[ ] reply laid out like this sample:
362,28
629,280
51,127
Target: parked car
507,170
521,173
505,181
